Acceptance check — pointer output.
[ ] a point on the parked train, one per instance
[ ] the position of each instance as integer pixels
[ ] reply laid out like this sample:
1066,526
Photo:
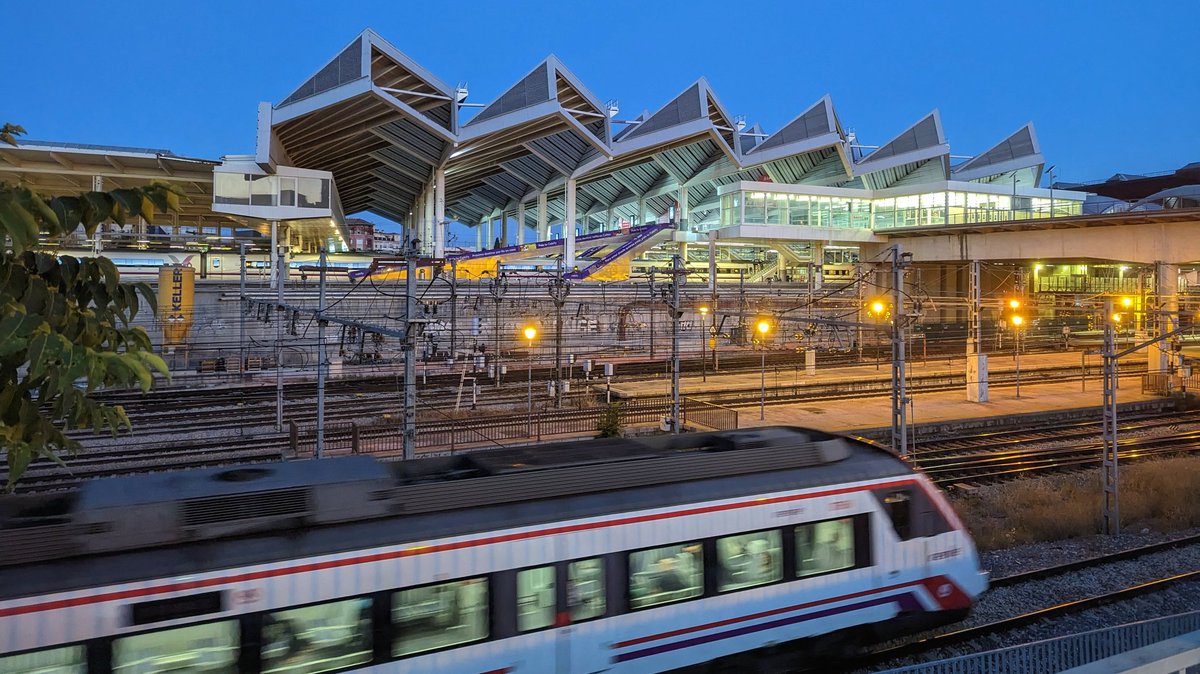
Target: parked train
609,555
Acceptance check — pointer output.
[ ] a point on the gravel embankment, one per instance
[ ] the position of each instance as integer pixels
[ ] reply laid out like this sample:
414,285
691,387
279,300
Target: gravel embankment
1004,602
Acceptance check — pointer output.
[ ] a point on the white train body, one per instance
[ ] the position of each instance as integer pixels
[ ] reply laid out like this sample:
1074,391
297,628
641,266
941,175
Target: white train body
871,586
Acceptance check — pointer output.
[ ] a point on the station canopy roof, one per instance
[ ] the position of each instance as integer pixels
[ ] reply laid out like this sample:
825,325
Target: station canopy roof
383,124
58,169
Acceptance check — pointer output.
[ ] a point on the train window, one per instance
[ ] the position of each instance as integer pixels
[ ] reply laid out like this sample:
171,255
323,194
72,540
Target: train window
897,505
585,589
68,660
822,547
747,560
436,616
317,638
535,598
208,648
664,575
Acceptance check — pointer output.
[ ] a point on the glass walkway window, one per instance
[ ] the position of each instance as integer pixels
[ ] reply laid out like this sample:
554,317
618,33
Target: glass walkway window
920,209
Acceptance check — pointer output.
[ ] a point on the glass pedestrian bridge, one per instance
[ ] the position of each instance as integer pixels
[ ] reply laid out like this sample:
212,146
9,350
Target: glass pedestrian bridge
927,204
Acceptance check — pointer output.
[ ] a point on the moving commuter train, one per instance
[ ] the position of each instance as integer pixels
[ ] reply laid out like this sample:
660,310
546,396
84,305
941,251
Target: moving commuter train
612,555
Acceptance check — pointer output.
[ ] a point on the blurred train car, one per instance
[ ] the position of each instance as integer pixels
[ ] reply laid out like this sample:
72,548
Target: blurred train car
617,555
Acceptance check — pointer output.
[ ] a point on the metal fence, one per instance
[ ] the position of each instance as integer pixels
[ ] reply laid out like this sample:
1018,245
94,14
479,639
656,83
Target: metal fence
1056,655
1165,384
492,431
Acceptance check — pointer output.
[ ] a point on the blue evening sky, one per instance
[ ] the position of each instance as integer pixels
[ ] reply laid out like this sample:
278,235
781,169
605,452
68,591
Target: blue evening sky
1111,85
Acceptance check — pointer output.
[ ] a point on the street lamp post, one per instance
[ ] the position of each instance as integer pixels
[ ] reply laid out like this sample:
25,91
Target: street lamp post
1016,322
764,327
703,344
530,333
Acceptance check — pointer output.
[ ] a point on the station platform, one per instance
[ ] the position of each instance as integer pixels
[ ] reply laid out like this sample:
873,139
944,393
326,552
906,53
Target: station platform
872,412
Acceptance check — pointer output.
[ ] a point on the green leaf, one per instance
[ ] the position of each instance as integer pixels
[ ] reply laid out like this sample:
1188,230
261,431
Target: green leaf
111,276
70,214
42,351
145,379
129,200
97,207
155,361
148,294
19,224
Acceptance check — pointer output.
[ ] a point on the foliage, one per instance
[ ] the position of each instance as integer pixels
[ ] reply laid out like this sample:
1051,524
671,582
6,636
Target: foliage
65,327
609,425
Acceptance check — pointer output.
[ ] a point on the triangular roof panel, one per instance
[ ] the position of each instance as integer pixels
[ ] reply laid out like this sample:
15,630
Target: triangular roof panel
816,121
532,89
1017,151
346,67
684,108
926,133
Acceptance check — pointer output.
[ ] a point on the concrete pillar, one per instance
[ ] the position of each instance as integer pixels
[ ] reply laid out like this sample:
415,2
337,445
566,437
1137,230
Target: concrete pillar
503,228
439,213
543,218
429,233
683,251
712,261
521,223
274,250
607,219
682,212
479,236
488,238
98,239
569,227
818,260
641,214
1160,358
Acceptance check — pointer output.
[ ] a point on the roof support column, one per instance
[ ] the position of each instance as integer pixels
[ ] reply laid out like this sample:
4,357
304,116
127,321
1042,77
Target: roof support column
439,213
98,237
641,214
1160,356
569,226
488,240
503,228
274,250
479,236
682,212
543,221
521,223
427,229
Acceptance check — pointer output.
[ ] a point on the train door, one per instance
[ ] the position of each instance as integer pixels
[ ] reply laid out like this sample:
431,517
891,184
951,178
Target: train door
580,634
897,508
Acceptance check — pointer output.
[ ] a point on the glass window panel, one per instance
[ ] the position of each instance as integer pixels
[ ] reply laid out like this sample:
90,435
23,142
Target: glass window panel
840,212
585,589
317,638
798,210
68,660
287,191
313,192
822,547
262,191
437,616
666,574
535,598
756,207
231,188
818,212
860,213
210,648
777,209
747,560
885,213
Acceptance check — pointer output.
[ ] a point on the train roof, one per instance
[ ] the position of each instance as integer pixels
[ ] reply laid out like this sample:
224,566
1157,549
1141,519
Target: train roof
239,510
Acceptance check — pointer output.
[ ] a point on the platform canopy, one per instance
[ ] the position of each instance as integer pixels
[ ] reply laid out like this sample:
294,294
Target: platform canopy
71,168
384,125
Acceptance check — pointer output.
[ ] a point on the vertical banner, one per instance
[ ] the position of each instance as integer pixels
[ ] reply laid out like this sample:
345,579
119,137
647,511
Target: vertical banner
176,298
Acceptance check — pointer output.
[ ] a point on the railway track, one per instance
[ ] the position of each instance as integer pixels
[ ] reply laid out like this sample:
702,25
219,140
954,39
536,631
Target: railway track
956,638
